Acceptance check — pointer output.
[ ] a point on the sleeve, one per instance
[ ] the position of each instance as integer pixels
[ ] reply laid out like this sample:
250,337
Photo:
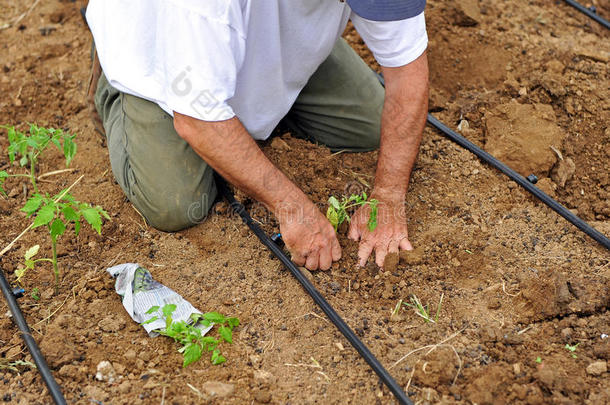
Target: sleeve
197,60
393,43
182,55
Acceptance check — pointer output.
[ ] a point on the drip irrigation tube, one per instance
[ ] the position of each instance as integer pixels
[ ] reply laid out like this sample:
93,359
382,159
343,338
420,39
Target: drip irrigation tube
588,12
26,334
366,354
517,178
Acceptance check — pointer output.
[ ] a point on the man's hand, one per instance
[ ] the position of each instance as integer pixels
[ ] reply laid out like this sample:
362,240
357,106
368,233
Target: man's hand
389,236
231,151
309,237
402,123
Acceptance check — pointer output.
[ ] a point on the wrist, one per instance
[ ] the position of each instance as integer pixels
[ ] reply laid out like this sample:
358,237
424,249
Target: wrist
389,195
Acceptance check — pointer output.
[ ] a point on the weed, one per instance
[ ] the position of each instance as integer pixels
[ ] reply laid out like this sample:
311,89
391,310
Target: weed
28,147
5,364
57,214
190,336
337,211
424,311
538,360
35,294
572,349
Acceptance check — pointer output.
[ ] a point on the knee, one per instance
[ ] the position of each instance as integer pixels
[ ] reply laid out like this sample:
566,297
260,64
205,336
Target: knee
172,212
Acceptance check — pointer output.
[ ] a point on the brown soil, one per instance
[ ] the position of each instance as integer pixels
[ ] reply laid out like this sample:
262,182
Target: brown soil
518,282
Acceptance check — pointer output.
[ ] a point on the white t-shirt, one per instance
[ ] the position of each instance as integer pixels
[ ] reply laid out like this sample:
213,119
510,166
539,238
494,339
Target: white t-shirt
216,59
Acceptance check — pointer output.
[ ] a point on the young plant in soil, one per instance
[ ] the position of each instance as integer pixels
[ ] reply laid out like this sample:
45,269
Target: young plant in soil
28,147
57,213
189,335
337,212
424,311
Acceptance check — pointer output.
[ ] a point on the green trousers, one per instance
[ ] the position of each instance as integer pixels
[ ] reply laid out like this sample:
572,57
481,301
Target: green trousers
173,188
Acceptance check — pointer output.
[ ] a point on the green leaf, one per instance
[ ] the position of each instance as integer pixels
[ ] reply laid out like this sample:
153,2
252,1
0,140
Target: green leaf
23,161
31,252
152,309
233,322
226,334
332,216
191,354
217,358
58,227
32,204
334,202
70,214
372,224
77,226
150,320
92,216
3,174
44,216
214,317
168,309
69,148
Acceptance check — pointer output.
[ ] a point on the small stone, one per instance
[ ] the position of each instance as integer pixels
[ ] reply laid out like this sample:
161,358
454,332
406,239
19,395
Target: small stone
218,389
264,376
523,91
105,372
597,368
124,387
339,346
566,334
130,354
263,397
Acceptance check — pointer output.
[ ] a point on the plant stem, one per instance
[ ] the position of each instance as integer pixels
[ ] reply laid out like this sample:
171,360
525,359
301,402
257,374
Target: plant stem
33,173
55,268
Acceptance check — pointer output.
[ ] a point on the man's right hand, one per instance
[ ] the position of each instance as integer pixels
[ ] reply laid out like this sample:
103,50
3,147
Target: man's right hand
309,237
231,151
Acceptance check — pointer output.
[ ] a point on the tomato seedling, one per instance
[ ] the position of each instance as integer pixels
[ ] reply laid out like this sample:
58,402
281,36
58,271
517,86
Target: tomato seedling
28,147
57,213
190,336
337,211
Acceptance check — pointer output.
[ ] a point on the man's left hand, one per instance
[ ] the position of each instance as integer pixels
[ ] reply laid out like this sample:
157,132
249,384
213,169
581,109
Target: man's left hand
390,235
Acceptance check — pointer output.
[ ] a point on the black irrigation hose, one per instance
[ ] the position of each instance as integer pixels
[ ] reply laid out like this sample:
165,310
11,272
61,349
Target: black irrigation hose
315,294
588,12
517,178
26,334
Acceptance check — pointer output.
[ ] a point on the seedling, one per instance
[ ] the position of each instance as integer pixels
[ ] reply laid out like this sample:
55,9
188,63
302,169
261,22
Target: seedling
538,360
424,311
337,211
190,336
5,364
29,262
57,213
35,294
28,147
572,349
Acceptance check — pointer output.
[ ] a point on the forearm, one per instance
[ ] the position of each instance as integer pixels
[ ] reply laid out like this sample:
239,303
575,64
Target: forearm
402,123
228,148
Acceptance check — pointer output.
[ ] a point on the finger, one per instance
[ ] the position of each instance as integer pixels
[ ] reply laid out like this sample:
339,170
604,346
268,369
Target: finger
393,246
312,260
325,258
298,259
364,252
354,231
335,250
405,244
381,251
